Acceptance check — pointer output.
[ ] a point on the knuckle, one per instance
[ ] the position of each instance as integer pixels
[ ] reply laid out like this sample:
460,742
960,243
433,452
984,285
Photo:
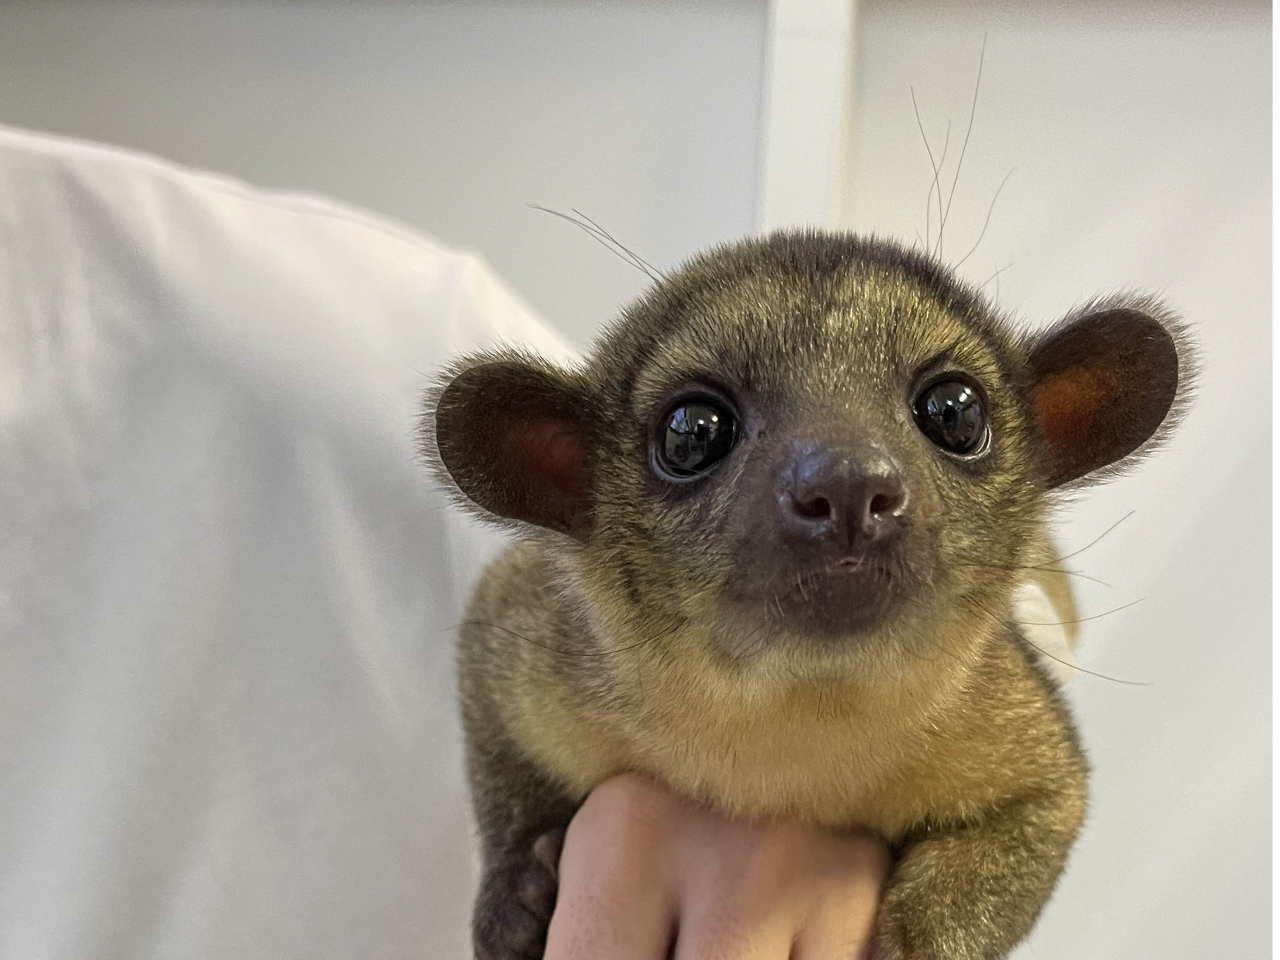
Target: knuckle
627,811
631,794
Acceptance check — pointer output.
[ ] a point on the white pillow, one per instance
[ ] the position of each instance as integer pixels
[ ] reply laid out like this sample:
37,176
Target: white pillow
227,588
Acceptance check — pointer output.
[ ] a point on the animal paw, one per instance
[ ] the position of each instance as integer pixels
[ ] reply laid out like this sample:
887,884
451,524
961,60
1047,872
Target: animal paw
516,898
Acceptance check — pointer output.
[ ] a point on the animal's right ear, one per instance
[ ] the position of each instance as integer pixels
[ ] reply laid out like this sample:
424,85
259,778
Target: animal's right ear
515,435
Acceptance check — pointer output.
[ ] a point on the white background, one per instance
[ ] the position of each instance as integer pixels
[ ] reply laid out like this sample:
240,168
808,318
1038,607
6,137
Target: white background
1141,142
449,116
1140,133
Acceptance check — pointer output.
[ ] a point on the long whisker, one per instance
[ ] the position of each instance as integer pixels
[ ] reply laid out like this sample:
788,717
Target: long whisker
986,222
1096,616
942,161
614,240
604,240
1038,569
1092,673
996,277
1091,543
599,233
933,165
973,109
1066,663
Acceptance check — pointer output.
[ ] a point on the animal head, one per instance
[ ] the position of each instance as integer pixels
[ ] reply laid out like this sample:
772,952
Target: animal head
808,448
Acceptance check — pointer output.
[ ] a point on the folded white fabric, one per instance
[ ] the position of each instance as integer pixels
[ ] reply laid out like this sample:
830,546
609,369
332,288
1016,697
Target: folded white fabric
227,588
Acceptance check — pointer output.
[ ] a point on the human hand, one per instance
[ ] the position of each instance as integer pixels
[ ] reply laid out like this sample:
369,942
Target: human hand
647,875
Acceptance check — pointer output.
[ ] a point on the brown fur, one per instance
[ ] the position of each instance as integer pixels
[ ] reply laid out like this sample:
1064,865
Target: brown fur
645,626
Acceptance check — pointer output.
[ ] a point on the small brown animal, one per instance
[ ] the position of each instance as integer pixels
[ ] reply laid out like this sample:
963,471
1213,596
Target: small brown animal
770,534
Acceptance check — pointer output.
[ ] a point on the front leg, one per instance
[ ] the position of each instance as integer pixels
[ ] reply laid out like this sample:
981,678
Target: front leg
522,817
973,891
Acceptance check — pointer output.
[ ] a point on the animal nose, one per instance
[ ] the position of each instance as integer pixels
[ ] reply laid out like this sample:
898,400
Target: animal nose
851,495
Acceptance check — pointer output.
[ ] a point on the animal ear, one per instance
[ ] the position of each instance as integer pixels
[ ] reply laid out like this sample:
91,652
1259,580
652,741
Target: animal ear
515,435
1102,383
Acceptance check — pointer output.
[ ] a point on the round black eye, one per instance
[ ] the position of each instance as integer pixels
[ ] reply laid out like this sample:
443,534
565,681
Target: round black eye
952,415
694,436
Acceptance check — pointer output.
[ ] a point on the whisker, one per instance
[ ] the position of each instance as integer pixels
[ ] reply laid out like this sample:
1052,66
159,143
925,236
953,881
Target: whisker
614,240
602,235
986,222
1091,543
1092,673
1066,663
604,240
1015,567
932,164
1096,616
996,277
973,109
942,161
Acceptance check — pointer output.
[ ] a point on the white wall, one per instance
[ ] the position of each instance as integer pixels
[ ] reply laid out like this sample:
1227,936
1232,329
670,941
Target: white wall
452,117
1142,141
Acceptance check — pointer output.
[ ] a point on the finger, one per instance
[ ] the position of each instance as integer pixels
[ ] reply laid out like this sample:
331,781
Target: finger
841,918
838,935
721,940
739,914
602,911
594,922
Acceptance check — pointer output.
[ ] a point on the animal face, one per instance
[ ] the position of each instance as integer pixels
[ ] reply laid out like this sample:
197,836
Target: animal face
807,446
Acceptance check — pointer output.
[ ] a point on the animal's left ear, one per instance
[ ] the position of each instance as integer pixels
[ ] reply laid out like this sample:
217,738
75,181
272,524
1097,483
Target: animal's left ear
1102,382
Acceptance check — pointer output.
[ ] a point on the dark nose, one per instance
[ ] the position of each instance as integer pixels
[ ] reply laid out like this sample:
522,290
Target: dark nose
850,495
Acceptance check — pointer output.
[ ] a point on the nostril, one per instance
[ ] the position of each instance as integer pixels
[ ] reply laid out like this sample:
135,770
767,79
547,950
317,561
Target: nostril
815,508
885,503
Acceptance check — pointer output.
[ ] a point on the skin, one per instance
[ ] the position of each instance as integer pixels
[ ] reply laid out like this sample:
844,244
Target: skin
646,874
687,632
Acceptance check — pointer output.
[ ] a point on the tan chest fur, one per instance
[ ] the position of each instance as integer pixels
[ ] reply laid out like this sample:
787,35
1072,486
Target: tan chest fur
827,761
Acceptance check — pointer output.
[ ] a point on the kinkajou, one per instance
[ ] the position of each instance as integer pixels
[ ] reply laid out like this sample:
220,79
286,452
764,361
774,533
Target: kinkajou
768,536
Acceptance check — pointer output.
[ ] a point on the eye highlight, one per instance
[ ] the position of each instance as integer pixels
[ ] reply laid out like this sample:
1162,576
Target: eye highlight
952,414
694,436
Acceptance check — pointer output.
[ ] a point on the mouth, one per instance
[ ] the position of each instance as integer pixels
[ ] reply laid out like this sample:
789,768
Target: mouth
843,596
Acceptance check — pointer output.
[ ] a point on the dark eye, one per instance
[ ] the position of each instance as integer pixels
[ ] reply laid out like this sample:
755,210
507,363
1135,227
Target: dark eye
952,415
694,436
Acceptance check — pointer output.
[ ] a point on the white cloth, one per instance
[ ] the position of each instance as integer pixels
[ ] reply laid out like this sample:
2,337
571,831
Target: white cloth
227,715
227,588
